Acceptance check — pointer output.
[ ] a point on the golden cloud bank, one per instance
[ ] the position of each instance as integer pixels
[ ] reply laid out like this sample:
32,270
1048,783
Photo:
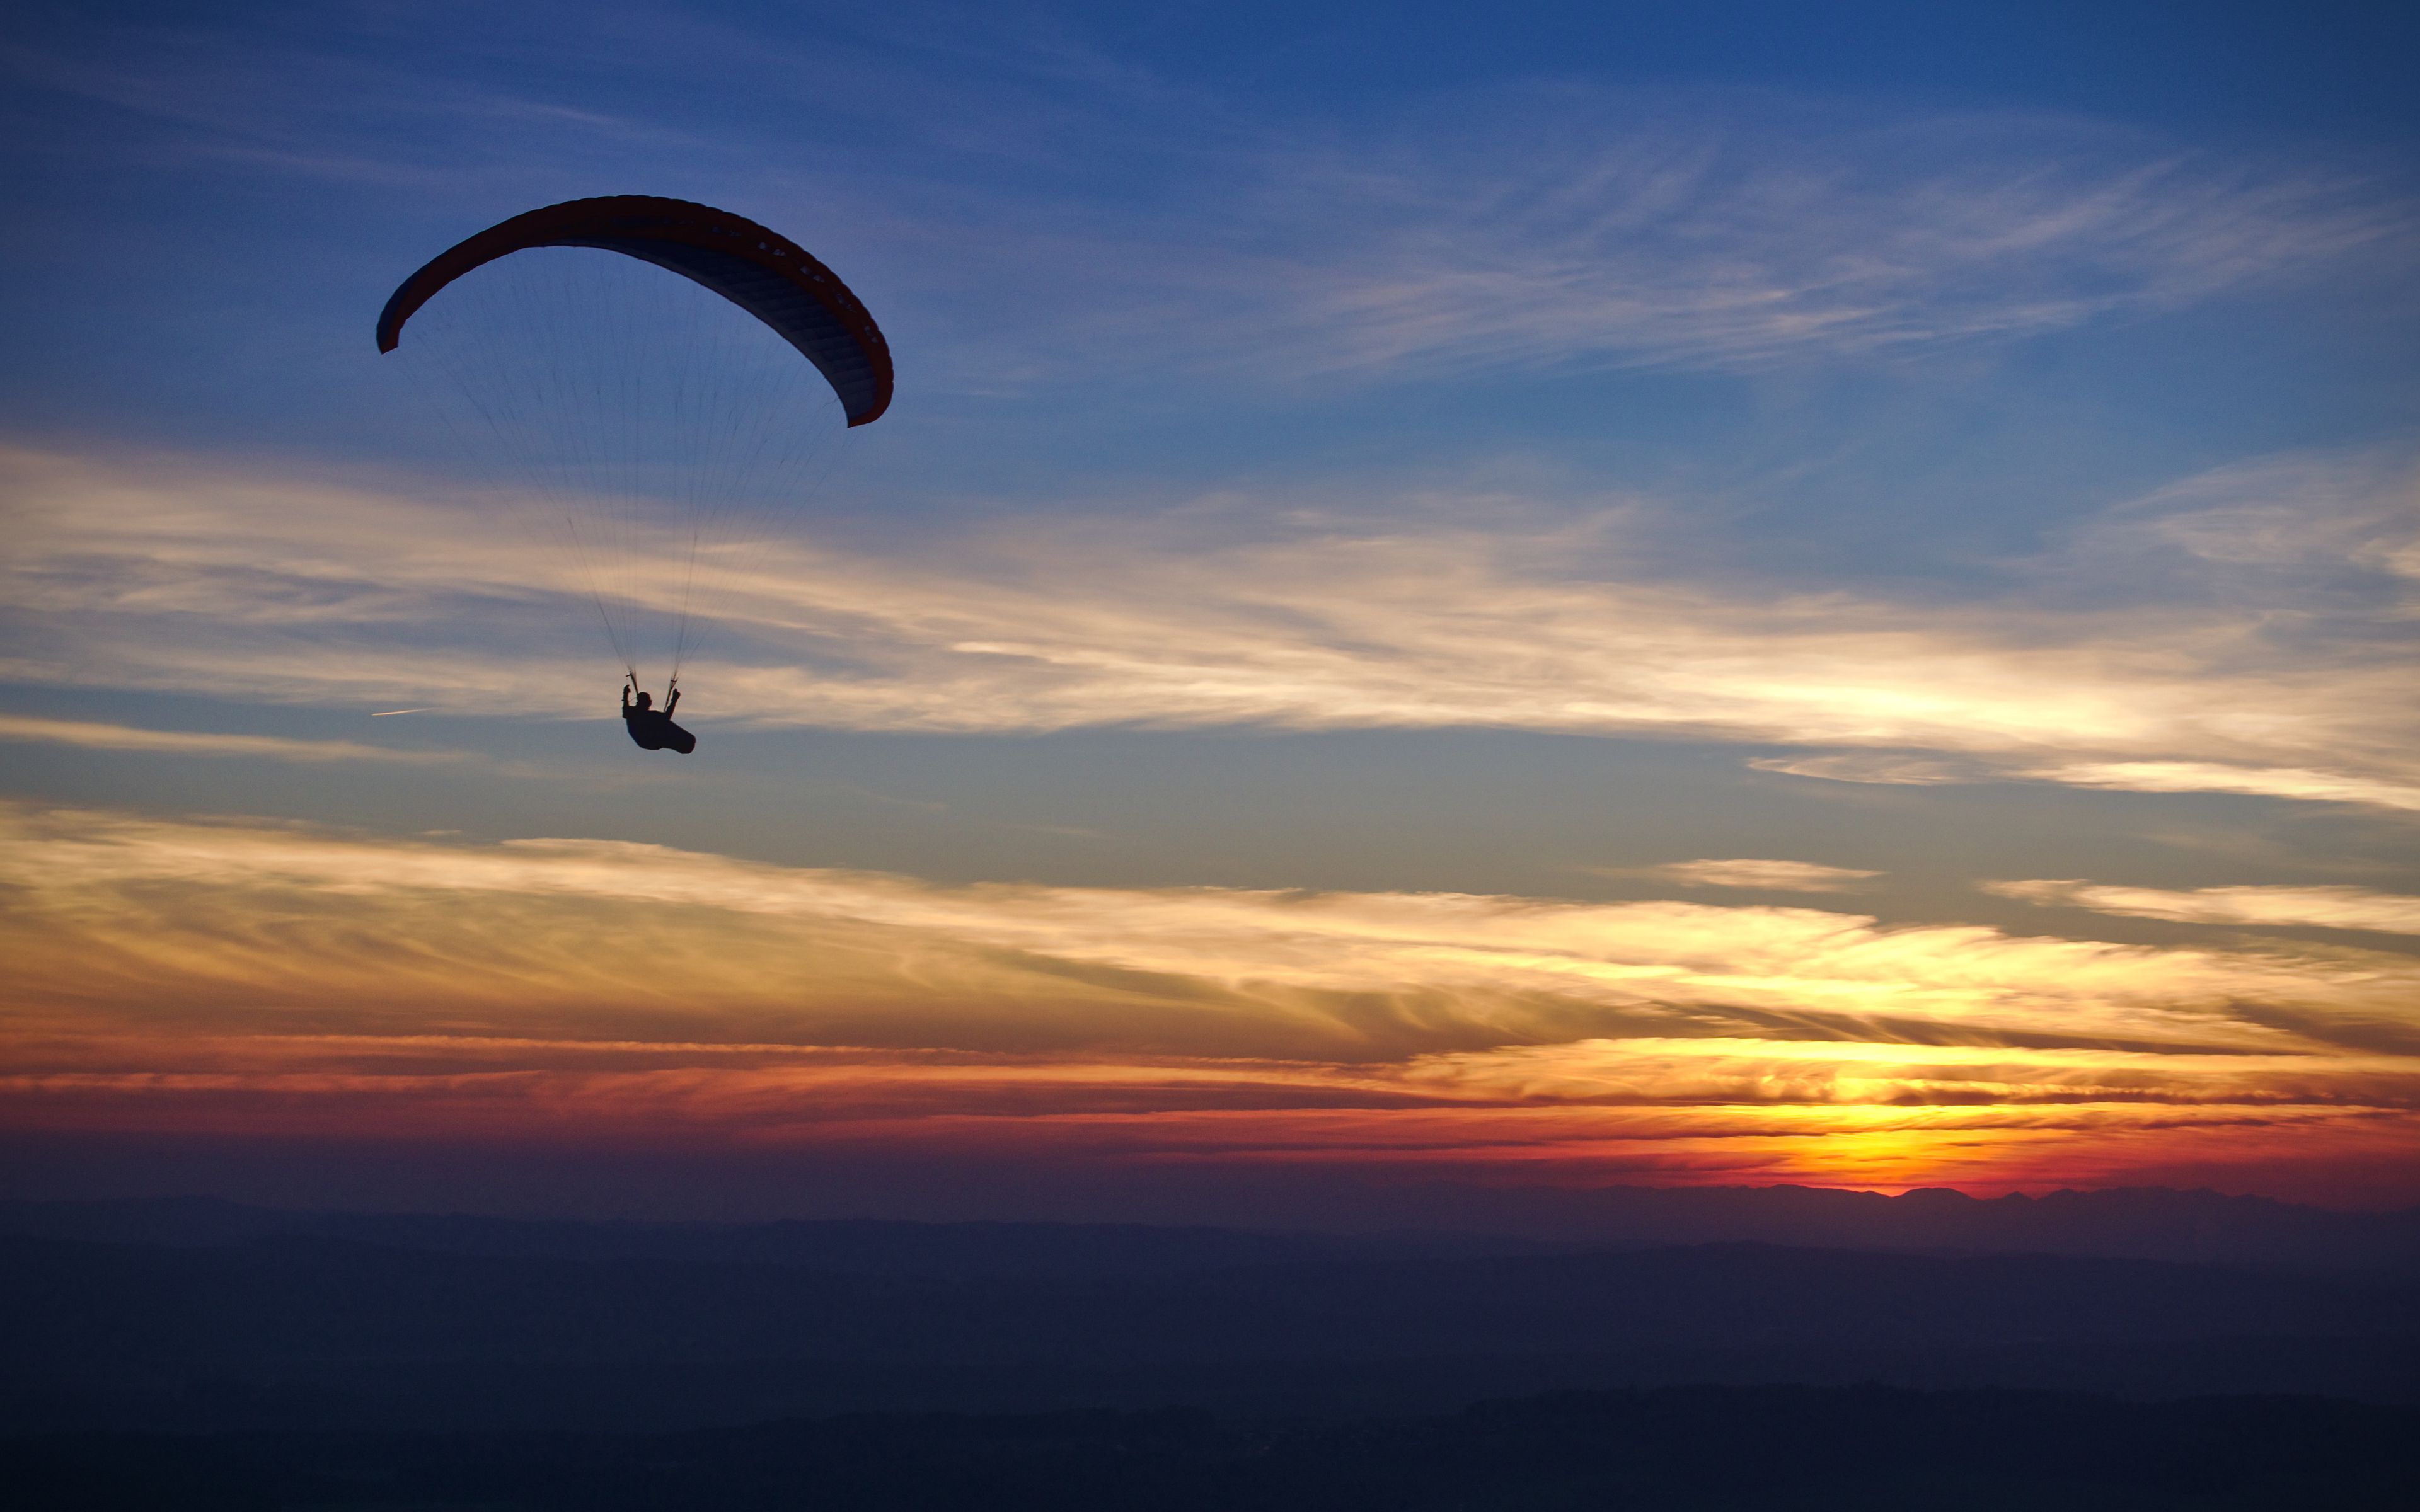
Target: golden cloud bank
174,975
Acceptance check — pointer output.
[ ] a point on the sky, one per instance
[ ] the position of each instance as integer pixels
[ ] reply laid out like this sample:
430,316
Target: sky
1450,602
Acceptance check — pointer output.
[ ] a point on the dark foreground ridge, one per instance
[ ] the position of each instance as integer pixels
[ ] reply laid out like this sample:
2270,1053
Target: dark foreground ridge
1875,1449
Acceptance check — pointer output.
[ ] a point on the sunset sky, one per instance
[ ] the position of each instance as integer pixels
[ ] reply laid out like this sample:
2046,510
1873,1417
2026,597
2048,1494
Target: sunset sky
1453,597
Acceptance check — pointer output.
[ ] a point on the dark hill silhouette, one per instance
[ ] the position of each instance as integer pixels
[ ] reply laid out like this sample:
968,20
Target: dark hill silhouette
551,1325
855,1245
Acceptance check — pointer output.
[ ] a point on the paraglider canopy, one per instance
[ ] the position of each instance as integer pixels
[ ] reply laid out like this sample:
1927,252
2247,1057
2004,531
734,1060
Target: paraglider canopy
762,271
653,436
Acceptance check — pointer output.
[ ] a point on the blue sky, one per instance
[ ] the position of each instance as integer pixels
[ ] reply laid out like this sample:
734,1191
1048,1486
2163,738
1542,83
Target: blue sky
1964,453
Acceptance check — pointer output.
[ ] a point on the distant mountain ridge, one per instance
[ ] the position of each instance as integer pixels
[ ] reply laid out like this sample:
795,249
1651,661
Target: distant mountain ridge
2136,1222
2139,1222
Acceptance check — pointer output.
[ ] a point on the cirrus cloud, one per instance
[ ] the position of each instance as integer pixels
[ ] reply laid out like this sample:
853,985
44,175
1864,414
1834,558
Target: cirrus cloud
296,590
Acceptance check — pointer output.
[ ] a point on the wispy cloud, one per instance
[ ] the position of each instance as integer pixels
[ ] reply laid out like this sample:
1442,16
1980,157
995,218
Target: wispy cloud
1778,876
2209,777
2348,908
291,589
1575,226
2302,783
1874,766
1567,224
172,974
93,736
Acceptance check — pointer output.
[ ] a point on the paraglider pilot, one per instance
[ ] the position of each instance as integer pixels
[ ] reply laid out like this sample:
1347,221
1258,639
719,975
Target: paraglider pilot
652,729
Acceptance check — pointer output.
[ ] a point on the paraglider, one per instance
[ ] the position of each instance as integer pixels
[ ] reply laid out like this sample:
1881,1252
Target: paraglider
652,729
658,429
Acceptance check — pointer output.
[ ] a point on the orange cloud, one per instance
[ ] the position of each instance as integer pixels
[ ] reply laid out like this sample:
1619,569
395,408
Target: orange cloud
94,735
2348,908
245,978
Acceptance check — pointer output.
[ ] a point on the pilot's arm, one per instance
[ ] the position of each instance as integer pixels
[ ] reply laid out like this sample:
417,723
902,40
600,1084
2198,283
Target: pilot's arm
671,704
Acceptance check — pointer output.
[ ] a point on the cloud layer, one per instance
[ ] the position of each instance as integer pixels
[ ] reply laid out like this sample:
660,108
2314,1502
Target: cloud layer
294,589
276,979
